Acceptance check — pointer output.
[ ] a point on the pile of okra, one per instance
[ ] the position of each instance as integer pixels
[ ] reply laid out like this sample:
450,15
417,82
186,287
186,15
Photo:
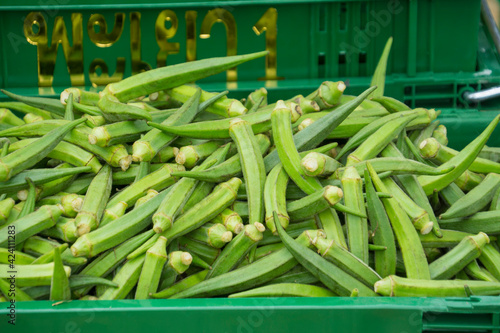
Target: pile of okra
154,188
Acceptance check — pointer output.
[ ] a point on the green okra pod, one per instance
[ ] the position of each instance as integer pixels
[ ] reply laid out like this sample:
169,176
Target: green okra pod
121,229
378,78
490,258
377,141
405,287
457,258
5,209
468,180
25,108
182,285
150,194
223,106
59,286
236,249
317,164
475,200
252,165
47,104
347,261
114,212
29,203
255,96
65,230
381,230
451,193
390,104
482,221
149,279
26,157
275,197
440,135
90,214
157,180
29,225
7,288
328,94
190,155
338,281
32,275
478,273
113,111
414,258
9,119
172,76
215,235
231,220
461,162
294,230
357,227
314,203
16,257
285,290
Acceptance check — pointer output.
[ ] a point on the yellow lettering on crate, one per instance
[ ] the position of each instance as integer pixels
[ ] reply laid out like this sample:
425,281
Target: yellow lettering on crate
268,23
47,53
191,35
222,15
97,28
138,65
163,34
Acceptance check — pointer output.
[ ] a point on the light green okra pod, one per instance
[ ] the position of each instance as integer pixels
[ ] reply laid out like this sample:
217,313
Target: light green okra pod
32,275
149,279
126,278
314,203
275,197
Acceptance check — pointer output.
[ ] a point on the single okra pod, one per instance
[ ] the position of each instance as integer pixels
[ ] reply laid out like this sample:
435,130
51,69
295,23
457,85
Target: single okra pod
29,204
457,258
451,193
5,209
215,235
478,273
65,152
206,252
314,203
32,275
223,106
475,200
307,105
148,146
328,94
419,216
490,258
176,199
347,261
165,154
252,165
6,287
65,230
461,161
26,157
158,180
236,249
482,221
126,279
275,197
9,119
317,164
294,230
255,96
227,169
440,135
404,287
31,118
252,275
150,194
468,180
79,96
357,227
149,279
376,142
285,290
17,257
424,117
391,104
90,214
297,274
49,256
25,108
31,224
68,112
332,276
190,155
231,220
414,258
121,229
114,212
113,111
59,286
378,78
381,230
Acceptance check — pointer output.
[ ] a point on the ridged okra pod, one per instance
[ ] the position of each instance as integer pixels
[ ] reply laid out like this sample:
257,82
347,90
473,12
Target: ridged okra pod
486,221
126,279
231,220
252,165
90,214
29,225
189,156
5,209
114,233
446,266
114,212
344,259
328,94
275,197
314,203
32,275
414,258
215,235
475,200
317,164
461,162
236,249
404,287
157,180
26,157
285,290
59,286
357,227
381,230
149,279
